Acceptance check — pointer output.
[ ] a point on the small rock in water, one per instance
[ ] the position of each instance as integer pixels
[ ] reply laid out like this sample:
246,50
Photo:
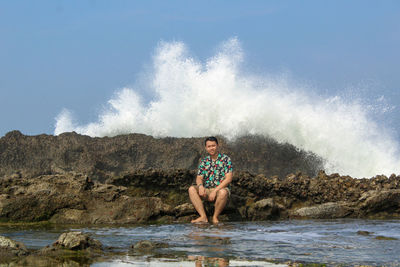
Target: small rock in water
77,241
364,233
380,237
145,245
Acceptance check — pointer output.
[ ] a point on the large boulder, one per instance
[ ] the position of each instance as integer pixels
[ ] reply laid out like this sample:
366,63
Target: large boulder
72,245
331,210
264,209
380,203
73,198
184,209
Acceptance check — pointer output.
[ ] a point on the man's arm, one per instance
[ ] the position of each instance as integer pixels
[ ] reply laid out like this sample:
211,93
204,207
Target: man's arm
223,184
199,182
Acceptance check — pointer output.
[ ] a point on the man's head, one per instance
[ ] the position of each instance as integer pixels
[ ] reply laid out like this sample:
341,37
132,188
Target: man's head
211,144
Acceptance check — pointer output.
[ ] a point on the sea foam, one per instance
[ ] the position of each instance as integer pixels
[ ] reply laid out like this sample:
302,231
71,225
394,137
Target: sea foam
216,97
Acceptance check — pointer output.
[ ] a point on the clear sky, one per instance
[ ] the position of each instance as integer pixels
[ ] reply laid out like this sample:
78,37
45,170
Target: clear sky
75,54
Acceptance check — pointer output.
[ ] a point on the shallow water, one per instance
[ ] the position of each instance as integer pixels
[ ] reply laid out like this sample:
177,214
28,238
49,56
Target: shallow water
240,243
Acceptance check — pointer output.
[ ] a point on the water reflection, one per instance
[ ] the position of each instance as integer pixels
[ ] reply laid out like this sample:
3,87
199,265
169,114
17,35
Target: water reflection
214,240
201,261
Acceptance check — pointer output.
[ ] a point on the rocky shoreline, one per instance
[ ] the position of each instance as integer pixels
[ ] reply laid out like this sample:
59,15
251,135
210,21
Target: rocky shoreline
89,187
161,196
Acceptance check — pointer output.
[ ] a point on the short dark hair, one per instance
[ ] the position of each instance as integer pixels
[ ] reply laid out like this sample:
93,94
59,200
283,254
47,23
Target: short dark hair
212,139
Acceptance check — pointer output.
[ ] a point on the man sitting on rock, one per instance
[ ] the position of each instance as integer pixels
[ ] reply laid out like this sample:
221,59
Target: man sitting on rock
213,180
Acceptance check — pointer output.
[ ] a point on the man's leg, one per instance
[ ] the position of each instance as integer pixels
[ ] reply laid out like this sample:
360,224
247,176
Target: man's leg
220,202
198,204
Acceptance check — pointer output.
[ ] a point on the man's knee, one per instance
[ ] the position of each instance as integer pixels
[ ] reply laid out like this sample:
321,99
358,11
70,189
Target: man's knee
192,190
223,193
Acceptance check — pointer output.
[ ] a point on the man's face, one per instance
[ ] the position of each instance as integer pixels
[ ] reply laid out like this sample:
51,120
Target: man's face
212,148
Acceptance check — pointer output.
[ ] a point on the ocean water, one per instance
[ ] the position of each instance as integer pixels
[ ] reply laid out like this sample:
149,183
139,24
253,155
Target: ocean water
182,96
332,242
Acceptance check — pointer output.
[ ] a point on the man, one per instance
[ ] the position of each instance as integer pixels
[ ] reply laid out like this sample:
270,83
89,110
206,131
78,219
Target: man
213,180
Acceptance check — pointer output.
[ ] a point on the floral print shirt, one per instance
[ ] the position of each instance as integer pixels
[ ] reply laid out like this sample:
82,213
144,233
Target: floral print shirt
213,172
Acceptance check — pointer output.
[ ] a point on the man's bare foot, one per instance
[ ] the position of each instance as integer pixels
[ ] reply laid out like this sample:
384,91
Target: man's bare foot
200,220
215,220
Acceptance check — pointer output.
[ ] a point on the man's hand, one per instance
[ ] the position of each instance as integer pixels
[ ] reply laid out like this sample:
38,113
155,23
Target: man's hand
202,191
212,195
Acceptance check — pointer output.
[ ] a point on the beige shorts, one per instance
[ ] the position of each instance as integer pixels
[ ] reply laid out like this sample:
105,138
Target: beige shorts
209,190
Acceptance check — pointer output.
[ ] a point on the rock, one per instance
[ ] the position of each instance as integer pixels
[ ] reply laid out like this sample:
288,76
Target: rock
108,157
375,202
77,241
61,179
74,246
135,198
146,245
184,209
70,216
380,237
265,209
330,210
10,248
67,199
364,233
108,192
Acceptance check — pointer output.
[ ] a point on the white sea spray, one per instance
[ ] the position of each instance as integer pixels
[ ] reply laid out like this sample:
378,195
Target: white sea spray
216,97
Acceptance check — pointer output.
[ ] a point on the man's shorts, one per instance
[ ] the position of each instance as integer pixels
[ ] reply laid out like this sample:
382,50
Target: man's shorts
209,190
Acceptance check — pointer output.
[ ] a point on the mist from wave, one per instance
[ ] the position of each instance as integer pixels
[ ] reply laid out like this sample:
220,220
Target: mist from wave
217,97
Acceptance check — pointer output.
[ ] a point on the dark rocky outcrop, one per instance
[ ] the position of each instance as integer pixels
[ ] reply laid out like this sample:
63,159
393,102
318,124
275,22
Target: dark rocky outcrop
108,157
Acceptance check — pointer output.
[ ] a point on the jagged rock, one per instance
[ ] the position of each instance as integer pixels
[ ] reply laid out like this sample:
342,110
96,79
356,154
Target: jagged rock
184,209
329,210
10,248
265,209
74,198
71,245
70,216
375,202
77,241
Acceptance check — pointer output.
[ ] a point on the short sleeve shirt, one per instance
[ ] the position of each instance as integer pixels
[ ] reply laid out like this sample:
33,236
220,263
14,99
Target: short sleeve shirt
213,172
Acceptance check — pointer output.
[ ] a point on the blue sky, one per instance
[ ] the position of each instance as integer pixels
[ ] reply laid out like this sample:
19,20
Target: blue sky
76,54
